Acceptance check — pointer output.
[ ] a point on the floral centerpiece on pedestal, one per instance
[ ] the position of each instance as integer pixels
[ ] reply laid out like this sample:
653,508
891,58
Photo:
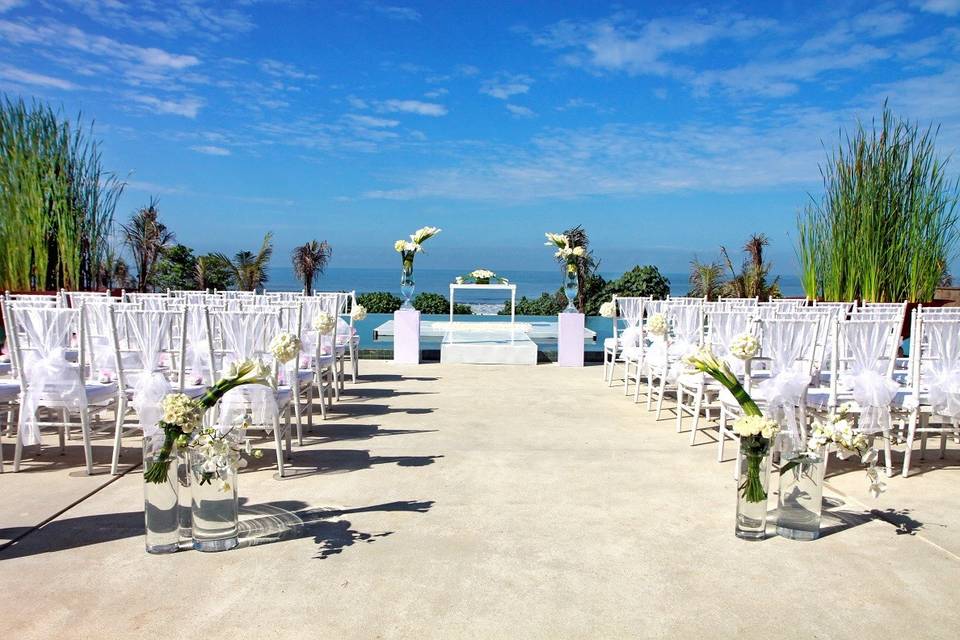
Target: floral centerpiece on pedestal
408,249
480,276
570,255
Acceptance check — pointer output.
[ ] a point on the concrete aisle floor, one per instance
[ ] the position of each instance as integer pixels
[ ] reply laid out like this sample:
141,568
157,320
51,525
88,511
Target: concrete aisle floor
482,502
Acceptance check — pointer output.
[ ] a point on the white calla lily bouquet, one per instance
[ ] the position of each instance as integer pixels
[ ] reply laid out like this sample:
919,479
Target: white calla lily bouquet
565,250
410,248
480,276
183,415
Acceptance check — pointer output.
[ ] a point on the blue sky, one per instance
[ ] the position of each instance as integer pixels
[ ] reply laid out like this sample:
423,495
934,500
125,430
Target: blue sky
666,129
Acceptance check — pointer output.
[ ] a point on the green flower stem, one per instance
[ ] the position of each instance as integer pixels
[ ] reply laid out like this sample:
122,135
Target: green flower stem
755,449
157,473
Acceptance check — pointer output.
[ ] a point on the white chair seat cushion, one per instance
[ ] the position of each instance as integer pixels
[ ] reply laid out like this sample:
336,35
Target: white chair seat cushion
304,375
632,353
97,393
283,395
692,379
5,368
611,343
194,390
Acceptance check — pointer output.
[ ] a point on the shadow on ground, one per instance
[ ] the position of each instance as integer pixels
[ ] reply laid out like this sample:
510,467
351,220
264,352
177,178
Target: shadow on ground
293,520
271,522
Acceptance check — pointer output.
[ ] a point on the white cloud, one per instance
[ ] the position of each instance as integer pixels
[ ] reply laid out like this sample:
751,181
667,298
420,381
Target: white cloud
942,7
20,76
414,106
208,18
521,111
7,5
504,85
284,70
211,150
436,93
56,35
403,14
186,107
624,43
371,121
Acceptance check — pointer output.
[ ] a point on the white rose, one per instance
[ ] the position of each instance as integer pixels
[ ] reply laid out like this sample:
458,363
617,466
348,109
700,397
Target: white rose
359,313
324,323
285,347
657,324
608,310
744,346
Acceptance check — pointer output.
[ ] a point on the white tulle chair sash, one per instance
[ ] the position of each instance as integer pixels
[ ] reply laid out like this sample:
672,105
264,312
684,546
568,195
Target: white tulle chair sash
867,344
245,337
148,331
788,346
46,369
942,369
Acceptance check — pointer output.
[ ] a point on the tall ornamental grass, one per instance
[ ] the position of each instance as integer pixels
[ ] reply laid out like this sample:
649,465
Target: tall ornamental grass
56,201
885,229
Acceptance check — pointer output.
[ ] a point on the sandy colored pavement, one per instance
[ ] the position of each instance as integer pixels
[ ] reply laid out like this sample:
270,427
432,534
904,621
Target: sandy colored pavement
481,502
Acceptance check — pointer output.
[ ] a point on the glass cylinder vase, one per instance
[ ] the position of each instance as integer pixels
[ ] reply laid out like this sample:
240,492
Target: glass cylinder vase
571,286
752,490
161,505
801,495
407,284
184,497
214,508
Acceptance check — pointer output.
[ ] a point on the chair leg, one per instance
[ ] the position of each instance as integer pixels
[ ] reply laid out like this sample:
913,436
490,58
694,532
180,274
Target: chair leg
87,447
908,450
295,392
887,458
121,409
649,390
662,387
697,405
679,408
636,389
277,444
286,430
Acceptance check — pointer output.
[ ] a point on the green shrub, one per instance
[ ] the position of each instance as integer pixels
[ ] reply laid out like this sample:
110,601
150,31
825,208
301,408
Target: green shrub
545,305
379,302
436,303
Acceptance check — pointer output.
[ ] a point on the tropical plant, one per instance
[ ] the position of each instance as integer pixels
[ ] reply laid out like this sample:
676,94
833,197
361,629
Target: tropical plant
573,252
436,303
146,238
379,302
56,201
211,273
248,269
309,261
886,225
176,269
752,281
545,305
706,279
639,281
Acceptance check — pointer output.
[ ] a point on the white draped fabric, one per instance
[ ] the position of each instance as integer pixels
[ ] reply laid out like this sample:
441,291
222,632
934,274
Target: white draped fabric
788,345
47,334
197,357
100,337
942,369
147,331
245,337
631,310
724,327
867,344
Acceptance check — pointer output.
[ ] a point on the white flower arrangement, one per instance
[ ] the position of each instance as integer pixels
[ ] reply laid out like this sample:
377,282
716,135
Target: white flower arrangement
657,325
417,238
221,454
324,323
608,310
744,346
285,347
480,276
181,410
359,313
482,273
565,251
839,433
247,372
756,426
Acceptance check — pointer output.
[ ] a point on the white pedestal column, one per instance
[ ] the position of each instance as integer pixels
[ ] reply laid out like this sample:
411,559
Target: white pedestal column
570,339
406,336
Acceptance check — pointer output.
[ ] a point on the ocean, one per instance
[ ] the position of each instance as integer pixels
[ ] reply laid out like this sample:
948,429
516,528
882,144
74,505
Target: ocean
529,283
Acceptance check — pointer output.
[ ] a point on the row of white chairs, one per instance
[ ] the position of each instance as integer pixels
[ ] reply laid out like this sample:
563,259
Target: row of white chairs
85,360
814,360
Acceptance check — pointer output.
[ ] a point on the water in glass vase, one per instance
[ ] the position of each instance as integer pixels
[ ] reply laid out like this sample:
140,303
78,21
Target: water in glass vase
214,508
160,502
571,286
752,495
407,284
801,496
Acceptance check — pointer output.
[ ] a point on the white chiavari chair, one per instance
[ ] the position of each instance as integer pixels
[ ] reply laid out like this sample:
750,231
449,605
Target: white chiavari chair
627,333
52,387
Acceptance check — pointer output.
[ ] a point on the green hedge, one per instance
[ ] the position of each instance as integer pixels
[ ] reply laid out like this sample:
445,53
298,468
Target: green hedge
379,302
438,304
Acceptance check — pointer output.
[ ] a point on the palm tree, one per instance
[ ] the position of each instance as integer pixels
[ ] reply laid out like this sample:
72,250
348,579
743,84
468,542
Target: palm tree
752,279
146,238
309,261
706,279
249,270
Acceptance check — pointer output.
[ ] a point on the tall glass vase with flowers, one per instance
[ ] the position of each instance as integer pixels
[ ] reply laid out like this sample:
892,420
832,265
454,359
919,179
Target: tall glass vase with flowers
408,249
571,256
756,434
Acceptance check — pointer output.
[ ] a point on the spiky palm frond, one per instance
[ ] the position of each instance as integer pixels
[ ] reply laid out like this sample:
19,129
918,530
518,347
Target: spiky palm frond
249,270
146,237
309,261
